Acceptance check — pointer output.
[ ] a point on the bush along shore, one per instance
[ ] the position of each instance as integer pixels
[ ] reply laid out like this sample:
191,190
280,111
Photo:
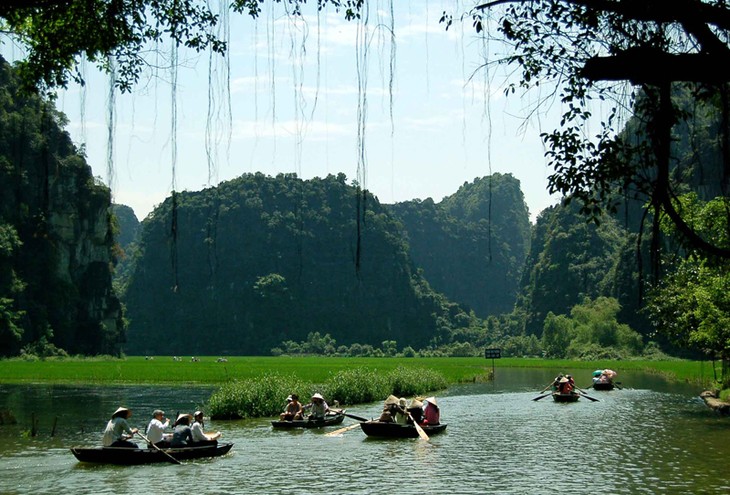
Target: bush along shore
263,396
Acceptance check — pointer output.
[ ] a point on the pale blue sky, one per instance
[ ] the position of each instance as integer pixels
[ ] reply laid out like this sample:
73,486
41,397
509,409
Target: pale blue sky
295,109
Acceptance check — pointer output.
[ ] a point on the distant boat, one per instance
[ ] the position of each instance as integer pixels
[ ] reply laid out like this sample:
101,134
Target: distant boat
603,386
330,420
396,430
127,456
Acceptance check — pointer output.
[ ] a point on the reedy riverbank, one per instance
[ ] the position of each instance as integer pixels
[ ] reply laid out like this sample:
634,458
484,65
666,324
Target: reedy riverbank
262,396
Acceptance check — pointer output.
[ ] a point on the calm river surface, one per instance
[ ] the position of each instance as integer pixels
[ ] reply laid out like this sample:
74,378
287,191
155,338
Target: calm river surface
650,438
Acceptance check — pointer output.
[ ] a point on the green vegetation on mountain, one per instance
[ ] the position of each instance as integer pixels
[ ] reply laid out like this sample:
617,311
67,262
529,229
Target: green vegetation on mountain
258,261
472,245
56,239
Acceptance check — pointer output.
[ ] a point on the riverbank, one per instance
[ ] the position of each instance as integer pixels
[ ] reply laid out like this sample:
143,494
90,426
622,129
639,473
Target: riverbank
213,370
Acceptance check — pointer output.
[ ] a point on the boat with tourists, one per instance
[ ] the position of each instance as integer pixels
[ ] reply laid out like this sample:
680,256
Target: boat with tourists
383,429
569,397
329,420
604,379
148,455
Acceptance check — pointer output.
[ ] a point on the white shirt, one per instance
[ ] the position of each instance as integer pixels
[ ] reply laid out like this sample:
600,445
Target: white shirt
155,430
114,430
198,434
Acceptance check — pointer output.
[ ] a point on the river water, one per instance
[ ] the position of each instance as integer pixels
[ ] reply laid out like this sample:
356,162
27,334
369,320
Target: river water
652,437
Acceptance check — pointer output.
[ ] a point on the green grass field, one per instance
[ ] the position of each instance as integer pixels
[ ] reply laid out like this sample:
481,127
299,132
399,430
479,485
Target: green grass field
164,371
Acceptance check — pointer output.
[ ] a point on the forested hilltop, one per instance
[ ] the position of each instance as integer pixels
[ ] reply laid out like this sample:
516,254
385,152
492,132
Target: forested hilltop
472,245
56,238
261,260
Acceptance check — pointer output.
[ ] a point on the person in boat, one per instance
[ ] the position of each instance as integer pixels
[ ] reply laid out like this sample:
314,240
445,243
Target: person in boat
182,435
431,412
607,376
318,408
391,408
118,432
597,376
156,429
401,414
198,431
293,409
415,412
556,383
565,387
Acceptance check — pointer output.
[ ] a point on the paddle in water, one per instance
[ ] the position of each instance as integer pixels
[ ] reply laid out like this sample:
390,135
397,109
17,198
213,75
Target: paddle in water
342,430
420,431
545,395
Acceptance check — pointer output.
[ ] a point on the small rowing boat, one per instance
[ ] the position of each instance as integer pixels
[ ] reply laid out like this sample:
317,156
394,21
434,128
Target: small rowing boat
329,420
127,456
571,397
603,386
395,430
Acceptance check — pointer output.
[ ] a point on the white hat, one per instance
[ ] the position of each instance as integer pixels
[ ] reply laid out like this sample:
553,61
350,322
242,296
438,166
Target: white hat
432,400
317,396
181,416
119,411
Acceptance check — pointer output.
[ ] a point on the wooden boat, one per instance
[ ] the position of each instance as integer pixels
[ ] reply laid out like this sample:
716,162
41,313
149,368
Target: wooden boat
603,386
329,420
127,456
571,397
395,430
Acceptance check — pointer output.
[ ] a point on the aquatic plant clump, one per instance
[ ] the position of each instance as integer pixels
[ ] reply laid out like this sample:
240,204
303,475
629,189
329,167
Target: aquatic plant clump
264,396
405,382
252,398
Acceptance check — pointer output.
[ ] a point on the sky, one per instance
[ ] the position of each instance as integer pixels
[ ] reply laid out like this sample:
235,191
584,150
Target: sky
313,96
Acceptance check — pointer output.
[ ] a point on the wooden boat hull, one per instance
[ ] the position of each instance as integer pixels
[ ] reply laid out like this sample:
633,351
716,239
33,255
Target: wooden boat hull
558,397
332,420
126,456
603,386
394,430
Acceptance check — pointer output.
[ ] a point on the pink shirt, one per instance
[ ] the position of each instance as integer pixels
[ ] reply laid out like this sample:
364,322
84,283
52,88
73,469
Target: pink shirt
432,414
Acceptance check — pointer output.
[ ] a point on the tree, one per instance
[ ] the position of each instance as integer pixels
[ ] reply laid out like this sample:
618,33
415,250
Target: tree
117,34
583,47
691,305
556,335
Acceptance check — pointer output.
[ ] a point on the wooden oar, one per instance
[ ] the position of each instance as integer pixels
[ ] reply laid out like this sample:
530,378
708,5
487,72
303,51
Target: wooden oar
583,394
616,384
355,417
542,396
172,459
342,430
420,431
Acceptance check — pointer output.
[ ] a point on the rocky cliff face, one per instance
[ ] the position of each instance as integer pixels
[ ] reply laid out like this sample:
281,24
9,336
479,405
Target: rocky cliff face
79,223
56,240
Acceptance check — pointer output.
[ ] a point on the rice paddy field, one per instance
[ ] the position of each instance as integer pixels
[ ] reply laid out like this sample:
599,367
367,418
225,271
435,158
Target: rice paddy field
208,370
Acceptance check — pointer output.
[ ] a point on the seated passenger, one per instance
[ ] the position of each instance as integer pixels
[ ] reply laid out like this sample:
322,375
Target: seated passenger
389,410
182,435
431,411
318,406
156,429
293,409
118,432
401,415
415,412
199,435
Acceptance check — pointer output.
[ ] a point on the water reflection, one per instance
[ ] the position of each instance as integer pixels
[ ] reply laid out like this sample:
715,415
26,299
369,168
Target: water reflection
651,437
